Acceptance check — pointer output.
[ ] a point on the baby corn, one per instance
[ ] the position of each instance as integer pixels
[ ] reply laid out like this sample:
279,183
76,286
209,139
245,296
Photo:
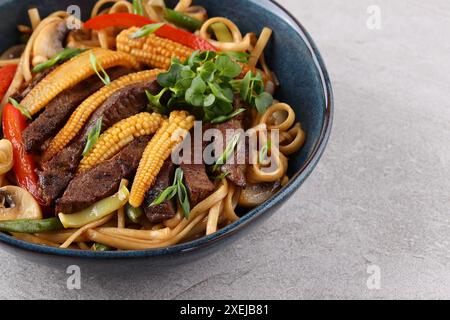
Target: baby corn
85,110
71,73
119,135
157,151
152,50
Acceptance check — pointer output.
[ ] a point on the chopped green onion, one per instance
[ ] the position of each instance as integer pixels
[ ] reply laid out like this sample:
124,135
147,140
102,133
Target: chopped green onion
167,194
146,30
182,20
176,189
222,119
93,136
31,226
96,65
137,7
24,111
227,152
263,153
66,54
183,198
222,32
221,176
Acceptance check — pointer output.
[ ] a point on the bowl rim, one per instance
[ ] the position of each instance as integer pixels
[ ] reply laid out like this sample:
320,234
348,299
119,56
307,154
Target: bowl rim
296,181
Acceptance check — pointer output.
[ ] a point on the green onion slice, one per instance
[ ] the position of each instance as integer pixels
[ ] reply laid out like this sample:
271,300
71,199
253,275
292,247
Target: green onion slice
104,77
146,30
24,111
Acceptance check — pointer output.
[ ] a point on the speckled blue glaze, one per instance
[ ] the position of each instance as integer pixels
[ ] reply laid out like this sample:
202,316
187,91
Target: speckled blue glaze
305,85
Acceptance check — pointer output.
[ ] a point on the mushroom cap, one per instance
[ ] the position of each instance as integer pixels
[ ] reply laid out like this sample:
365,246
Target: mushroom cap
17,203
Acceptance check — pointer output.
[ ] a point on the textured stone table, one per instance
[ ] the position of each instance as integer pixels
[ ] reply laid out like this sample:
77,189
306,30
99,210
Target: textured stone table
379,200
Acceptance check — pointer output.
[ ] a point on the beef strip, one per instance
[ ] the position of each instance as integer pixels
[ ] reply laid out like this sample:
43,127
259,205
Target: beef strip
167,209
103,180
197,183
58,111
235,169
195,176
57,172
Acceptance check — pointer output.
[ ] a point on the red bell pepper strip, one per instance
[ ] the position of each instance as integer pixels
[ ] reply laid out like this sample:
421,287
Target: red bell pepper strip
14,123
128,20
6,77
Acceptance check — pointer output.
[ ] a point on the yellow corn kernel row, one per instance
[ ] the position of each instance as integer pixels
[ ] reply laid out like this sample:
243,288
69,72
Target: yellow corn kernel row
158,150
81,115
152,50
71,73
118,136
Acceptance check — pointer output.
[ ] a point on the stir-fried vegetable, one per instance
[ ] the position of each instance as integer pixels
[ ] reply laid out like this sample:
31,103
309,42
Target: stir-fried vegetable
71,73
102,74
100,247
119,135
96,211
146,30
151,50
222,32
66,54
157,151
182,20
138,8
14,123
31,225
6,76
93,136
227,153
81,115
134,214
17,203
176,189
129,20
226,118
21,108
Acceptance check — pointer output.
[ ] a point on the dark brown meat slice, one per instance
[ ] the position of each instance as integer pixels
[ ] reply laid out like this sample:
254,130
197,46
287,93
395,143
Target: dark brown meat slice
167,209
58,111
103,180
235,166
197,182
123,104
57,172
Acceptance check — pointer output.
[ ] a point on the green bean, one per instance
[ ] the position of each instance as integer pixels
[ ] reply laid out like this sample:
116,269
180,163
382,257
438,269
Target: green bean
31,226
134,214
100,247
182,20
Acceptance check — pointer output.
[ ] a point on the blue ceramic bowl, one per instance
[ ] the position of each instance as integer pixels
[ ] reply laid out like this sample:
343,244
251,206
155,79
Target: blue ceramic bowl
305,85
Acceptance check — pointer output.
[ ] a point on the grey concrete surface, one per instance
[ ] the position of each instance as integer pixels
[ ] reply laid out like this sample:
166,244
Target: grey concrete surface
380,196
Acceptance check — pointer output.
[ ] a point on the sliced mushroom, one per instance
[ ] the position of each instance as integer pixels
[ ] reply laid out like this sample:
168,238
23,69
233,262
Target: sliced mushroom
6,156
256,193
49,41
17,203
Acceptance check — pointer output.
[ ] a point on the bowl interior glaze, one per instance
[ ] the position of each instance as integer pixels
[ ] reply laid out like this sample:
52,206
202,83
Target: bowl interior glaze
291,54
